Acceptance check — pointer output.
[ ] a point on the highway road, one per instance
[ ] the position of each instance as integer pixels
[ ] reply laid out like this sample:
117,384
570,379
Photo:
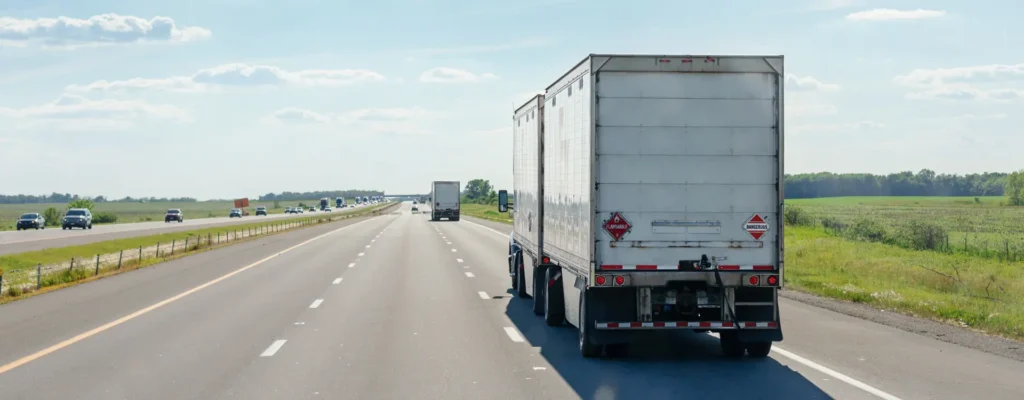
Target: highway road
396,306
31,240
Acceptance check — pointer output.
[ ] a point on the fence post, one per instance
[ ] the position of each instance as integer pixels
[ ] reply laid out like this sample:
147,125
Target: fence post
208,242
39,276
120,256
173,241
97,265
1,283
72,264
157,249
140,256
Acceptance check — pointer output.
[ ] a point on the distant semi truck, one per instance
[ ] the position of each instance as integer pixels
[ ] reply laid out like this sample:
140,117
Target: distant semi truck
446,197
324,203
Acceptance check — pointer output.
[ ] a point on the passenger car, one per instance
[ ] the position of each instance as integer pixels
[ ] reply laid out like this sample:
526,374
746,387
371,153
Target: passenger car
261,211
174,214
31,221
235,213
77,217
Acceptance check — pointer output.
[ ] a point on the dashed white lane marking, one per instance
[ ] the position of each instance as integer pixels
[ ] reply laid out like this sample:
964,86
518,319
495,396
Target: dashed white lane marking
470,275
458,259
483,295
361,254
274,347
316,303
351,265
367,246
373,240
453,250
830,372
449,243
300,323
97,330
466,266
514,334
336,281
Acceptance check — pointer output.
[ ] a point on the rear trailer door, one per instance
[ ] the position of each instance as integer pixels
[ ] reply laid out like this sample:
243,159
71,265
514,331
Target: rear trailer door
688,164
446,195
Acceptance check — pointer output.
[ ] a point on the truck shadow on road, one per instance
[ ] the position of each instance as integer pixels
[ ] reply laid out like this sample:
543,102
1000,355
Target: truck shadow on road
670,365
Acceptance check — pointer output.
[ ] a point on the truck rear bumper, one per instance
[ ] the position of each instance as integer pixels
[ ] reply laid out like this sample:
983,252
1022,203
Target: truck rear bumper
446,213
662,278
686,325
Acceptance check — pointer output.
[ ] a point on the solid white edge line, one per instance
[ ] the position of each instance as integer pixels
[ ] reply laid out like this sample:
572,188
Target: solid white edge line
504,235
453,250
337,281
514,334
351,265
361,254
828,371
458,259
316,303
470,275
483,295
274,347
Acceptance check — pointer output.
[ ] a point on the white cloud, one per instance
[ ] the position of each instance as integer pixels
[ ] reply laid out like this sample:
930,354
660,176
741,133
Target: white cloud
237,75
452,75
887,14
97,30
73,112
965,83
368,120
809,110
809,83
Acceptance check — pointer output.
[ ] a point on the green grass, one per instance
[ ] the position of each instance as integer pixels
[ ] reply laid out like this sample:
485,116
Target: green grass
962,288
142,212
484,211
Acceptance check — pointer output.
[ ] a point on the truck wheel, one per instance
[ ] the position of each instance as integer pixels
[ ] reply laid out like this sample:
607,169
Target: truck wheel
587,348
539,292
759,349
521,279
617,350
731,345
554,302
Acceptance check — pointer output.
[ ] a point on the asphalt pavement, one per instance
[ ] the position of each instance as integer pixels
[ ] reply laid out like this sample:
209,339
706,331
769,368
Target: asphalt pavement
52,237
396,306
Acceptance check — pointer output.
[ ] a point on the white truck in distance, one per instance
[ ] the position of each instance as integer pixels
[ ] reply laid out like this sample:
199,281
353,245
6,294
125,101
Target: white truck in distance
447,200
648,196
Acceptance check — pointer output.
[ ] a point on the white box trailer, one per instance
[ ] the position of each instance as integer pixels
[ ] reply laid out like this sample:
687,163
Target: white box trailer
527,177
447,200
662,201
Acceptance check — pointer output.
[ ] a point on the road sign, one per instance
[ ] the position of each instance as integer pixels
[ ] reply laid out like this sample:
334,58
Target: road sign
617,226
756,226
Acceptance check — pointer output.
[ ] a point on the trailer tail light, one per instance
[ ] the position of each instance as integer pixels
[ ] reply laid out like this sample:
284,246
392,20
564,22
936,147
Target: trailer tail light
620,280
437,204
600,280
545,260
753,280
773,280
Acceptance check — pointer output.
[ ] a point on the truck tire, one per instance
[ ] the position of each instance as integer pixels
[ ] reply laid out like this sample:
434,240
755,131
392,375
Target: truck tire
587,348
759,349
554,301
731,345
521,279
539,292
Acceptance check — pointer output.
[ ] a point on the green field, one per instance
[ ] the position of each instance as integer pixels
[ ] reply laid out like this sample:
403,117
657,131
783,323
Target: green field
128,212
973,288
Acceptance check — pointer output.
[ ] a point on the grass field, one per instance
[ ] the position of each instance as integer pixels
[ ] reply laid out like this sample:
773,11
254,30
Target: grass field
973,288
141,212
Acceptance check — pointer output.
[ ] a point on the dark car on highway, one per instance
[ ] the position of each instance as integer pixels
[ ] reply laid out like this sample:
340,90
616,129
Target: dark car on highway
261,211
235,213
31,221
174,214
77,218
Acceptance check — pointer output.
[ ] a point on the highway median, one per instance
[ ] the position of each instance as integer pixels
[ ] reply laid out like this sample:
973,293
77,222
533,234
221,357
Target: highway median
35,272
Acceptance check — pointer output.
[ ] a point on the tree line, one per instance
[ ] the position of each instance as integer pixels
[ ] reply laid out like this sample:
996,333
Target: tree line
923,183
62,198
291,196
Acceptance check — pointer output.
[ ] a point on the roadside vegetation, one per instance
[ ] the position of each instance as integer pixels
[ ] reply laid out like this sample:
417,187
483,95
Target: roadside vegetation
44,270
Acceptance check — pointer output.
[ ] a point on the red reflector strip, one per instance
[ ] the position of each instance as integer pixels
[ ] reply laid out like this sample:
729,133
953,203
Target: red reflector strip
760,324
746,267
611,267
763,268
729,267
642,267
646,267
666,325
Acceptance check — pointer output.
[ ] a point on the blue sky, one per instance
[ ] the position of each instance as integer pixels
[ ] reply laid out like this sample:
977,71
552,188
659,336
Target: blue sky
227,98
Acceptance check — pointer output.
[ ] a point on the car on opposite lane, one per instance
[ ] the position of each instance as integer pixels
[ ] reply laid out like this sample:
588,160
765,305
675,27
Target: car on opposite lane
77,217
31,221
261,211
235,213
174,214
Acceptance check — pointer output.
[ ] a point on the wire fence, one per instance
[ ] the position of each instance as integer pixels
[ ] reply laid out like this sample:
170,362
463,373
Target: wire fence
19,281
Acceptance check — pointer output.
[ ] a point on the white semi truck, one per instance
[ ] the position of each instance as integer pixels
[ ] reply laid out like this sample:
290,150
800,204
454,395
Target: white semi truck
447,200
648,196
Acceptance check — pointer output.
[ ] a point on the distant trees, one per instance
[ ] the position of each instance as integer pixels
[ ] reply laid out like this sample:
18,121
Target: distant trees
81,203
68,197
479,191
924,183
1015,188
292,196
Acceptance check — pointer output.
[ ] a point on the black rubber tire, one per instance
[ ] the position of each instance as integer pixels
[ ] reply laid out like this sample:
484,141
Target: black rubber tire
554,301
759,349
521,280
587,349
539,291
731,346
511,266
37,227
617,350
90,226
